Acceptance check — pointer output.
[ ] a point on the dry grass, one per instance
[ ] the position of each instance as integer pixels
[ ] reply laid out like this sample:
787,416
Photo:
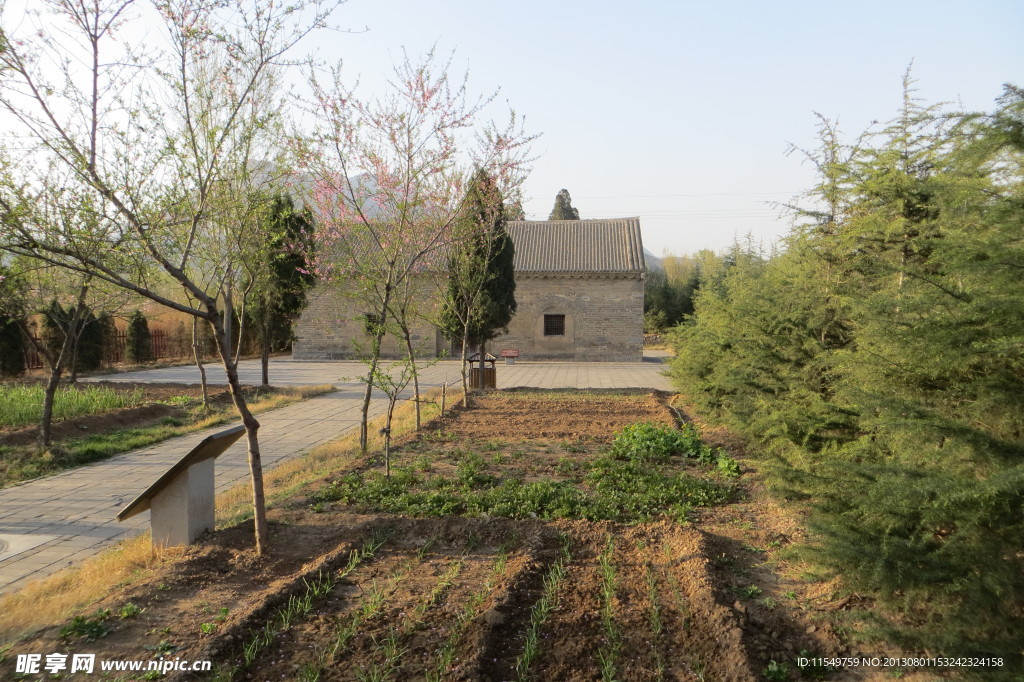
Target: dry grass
72,591
284,481
287,395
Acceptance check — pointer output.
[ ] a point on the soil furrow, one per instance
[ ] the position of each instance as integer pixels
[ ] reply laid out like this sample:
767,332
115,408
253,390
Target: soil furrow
506,622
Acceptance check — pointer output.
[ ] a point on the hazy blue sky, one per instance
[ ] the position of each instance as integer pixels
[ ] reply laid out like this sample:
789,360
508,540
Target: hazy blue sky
681,113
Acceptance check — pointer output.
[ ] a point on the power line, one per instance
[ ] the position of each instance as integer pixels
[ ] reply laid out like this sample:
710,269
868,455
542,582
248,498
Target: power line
673,196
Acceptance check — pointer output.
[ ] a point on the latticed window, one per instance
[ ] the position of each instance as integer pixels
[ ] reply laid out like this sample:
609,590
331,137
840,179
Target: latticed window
554,325
373,323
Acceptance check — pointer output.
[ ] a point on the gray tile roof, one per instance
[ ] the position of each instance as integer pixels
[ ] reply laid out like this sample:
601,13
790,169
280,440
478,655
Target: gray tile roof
577,245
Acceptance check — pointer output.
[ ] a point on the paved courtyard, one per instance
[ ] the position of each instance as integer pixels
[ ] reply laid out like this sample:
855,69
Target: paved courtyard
52,522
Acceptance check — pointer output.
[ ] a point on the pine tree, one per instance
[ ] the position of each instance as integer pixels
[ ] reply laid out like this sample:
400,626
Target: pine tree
563,209
880,356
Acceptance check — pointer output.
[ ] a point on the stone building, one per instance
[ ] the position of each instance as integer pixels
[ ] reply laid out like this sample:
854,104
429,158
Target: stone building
579,295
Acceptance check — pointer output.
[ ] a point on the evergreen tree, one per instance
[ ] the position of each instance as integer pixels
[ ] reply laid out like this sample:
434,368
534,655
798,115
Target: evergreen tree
12,348
480,299
880,356
54,326
91,339
281,294
563,209
138,341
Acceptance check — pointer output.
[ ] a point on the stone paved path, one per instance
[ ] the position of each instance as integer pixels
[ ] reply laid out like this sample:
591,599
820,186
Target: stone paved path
52,522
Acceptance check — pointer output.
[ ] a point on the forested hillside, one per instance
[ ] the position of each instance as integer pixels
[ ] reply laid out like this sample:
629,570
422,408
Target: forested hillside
878,358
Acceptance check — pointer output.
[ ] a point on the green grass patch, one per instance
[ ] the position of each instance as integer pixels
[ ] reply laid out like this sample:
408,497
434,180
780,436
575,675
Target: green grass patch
21,463
605,488
22,404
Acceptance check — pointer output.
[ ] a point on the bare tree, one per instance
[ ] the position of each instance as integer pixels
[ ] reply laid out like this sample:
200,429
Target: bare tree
142,139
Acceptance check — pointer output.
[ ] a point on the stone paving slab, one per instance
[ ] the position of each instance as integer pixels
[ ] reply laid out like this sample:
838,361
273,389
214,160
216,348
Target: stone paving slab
77,507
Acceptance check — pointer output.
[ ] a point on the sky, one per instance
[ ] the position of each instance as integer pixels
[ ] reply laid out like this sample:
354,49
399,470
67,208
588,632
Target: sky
681,113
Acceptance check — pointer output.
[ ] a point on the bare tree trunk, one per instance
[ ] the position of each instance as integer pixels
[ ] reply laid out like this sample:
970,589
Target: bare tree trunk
45,424
465,378
73,376
387,437
483,354
199,361
378,338
57,364
265,357
223,339
364,442
415,374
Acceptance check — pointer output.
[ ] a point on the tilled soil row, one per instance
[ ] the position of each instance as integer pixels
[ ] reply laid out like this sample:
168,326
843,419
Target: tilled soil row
261,605
414,613
698,638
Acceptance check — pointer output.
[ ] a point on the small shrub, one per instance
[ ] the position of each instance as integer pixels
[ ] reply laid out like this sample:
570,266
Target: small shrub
728,466
12,348
653,442
91,627
778,672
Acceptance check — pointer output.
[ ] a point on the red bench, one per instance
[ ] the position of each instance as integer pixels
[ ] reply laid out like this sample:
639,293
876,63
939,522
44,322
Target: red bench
510,356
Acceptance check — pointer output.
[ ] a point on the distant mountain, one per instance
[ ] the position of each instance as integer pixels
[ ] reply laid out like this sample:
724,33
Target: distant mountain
653,262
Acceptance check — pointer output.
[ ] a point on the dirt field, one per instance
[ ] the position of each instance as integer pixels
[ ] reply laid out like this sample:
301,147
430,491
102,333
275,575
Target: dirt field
346,592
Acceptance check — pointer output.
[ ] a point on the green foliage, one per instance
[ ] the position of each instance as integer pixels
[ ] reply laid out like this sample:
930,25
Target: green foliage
280,295
613,489
563,209
668,300
880,358
96,333
12,348
91,627
55,322
778,672
480,300
22,404
656,443
138,344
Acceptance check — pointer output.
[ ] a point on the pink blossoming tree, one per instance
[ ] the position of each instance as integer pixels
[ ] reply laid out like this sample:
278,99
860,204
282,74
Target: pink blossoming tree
390,176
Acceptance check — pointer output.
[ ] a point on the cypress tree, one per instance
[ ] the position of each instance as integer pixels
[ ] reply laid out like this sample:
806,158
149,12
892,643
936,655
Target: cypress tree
138,343
89,353
54,326
480,299
563,209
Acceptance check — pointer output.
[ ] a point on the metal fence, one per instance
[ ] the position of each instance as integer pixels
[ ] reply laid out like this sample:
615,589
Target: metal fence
113,350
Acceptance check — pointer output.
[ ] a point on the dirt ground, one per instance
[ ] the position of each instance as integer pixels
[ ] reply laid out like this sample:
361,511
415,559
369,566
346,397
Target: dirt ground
344,596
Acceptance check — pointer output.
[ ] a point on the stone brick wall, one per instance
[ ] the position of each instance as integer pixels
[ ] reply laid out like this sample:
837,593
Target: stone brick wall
603,322
603,318
332,327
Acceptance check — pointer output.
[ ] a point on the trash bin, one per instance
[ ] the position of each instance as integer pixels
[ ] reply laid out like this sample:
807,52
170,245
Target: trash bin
490,378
